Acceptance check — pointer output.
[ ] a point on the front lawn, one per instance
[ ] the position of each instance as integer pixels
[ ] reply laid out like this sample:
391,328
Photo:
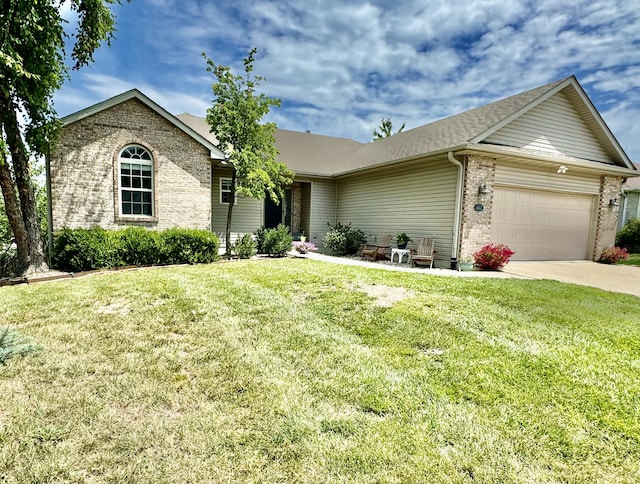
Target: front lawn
299,371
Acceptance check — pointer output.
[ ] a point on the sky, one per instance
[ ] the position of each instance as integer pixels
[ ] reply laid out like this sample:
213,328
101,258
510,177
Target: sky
340,66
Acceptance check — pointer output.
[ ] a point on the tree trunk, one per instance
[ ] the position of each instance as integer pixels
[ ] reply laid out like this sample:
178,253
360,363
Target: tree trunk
30,252
232,198
13,212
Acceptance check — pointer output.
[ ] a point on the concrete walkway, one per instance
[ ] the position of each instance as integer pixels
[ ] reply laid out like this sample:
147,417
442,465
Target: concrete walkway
616,278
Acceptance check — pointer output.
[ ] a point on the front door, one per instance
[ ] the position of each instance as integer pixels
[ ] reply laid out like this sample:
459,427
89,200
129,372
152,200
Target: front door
278,213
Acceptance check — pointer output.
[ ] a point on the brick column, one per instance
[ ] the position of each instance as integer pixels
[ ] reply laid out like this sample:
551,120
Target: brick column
476,225
610,188
296,209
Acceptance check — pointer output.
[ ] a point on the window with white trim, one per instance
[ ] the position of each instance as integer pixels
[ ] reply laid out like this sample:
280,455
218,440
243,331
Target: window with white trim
136,182
225,191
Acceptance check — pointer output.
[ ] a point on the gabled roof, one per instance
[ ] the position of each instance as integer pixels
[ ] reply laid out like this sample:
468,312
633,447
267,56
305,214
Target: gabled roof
136,94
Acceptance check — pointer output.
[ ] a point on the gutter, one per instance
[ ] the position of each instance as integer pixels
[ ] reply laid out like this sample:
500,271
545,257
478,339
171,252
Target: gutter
458,208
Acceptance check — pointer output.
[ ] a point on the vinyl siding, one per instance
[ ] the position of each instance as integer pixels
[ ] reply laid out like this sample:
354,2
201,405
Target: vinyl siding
547,179
418,199
323,209
247,213
555,127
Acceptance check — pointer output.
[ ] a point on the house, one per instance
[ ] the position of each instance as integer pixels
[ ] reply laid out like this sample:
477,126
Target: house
630,200
539,171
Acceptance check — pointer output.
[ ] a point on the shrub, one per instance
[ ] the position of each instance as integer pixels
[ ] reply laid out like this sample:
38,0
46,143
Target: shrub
629,236
611,255
343,240
13,343
8,261
277,242
260,234
189,246
79,250
141,246
493,256
245,247
304,247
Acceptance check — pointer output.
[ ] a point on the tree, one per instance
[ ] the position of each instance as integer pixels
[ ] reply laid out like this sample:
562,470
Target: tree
385,129
235,118
32,67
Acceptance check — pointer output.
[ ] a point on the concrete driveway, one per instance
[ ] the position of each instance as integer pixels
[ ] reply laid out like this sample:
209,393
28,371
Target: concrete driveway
614,278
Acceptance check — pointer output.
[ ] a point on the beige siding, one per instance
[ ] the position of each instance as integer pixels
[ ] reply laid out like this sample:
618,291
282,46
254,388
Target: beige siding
305,210
418,199
512,175
247,213
555,127
323,209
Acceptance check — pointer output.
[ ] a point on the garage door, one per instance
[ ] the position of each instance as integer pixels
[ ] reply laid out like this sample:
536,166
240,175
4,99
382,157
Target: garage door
540,225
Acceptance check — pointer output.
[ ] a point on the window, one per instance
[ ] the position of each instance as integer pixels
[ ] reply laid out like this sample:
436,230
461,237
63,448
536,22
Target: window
225,191
136,182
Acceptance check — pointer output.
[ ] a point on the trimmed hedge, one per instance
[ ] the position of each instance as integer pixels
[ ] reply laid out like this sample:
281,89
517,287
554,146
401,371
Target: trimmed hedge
77,250
629,236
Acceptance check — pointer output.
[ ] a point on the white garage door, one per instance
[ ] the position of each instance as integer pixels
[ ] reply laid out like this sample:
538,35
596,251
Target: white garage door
540,225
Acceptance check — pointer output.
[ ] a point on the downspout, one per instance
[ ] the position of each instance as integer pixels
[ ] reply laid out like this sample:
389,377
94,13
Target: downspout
47,170
458,208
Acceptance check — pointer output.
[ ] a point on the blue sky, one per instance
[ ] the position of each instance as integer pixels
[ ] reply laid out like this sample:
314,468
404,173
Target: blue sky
340,66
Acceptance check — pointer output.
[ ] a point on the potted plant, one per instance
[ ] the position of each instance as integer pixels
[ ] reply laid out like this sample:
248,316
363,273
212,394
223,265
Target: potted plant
303,238
466,264
402,240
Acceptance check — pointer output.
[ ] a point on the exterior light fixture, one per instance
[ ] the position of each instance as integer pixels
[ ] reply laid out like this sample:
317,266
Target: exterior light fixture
614,204
483,190
562,169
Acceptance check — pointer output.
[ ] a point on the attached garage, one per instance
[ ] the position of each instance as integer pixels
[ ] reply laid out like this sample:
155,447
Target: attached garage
543,225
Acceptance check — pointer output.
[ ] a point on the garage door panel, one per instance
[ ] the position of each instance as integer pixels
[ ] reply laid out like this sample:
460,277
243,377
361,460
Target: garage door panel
541,225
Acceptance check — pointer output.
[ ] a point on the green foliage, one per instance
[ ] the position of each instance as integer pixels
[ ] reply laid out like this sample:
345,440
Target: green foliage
235,118
12,344
385,129
260,234
629,236
5,229
245,247
189,246
344,240
140,246
77,250
402,238
278,241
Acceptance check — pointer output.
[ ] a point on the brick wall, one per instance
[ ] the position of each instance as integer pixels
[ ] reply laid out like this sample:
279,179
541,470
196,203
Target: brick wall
84,171
610,187
476,225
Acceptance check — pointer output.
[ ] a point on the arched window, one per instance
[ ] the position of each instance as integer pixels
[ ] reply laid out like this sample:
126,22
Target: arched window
136,182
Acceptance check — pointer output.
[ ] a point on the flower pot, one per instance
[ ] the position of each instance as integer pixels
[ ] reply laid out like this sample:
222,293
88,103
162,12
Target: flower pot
466,266
402,246
303,238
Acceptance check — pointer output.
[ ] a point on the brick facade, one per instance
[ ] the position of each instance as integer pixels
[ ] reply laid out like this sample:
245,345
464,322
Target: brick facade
84,171
476,225
610,188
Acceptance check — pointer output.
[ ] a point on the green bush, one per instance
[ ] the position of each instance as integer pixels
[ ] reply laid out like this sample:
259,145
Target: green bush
277,242
344,240
189,246
8,261
79,250
141,246
245,247
260,234
629,236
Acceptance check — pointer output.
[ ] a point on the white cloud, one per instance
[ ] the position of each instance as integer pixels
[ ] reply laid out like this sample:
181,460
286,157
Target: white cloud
341,66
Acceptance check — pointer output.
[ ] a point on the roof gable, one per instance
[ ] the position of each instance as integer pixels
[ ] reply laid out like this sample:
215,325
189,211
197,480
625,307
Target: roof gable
136,94
561,121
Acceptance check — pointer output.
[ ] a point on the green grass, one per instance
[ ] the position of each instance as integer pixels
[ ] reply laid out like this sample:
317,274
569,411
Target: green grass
633,260
298,371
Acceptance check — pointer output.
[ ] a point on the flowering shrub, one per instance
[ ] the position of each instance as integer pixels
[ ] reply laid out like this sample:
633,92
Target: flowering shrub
493,256
611,255
304,247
